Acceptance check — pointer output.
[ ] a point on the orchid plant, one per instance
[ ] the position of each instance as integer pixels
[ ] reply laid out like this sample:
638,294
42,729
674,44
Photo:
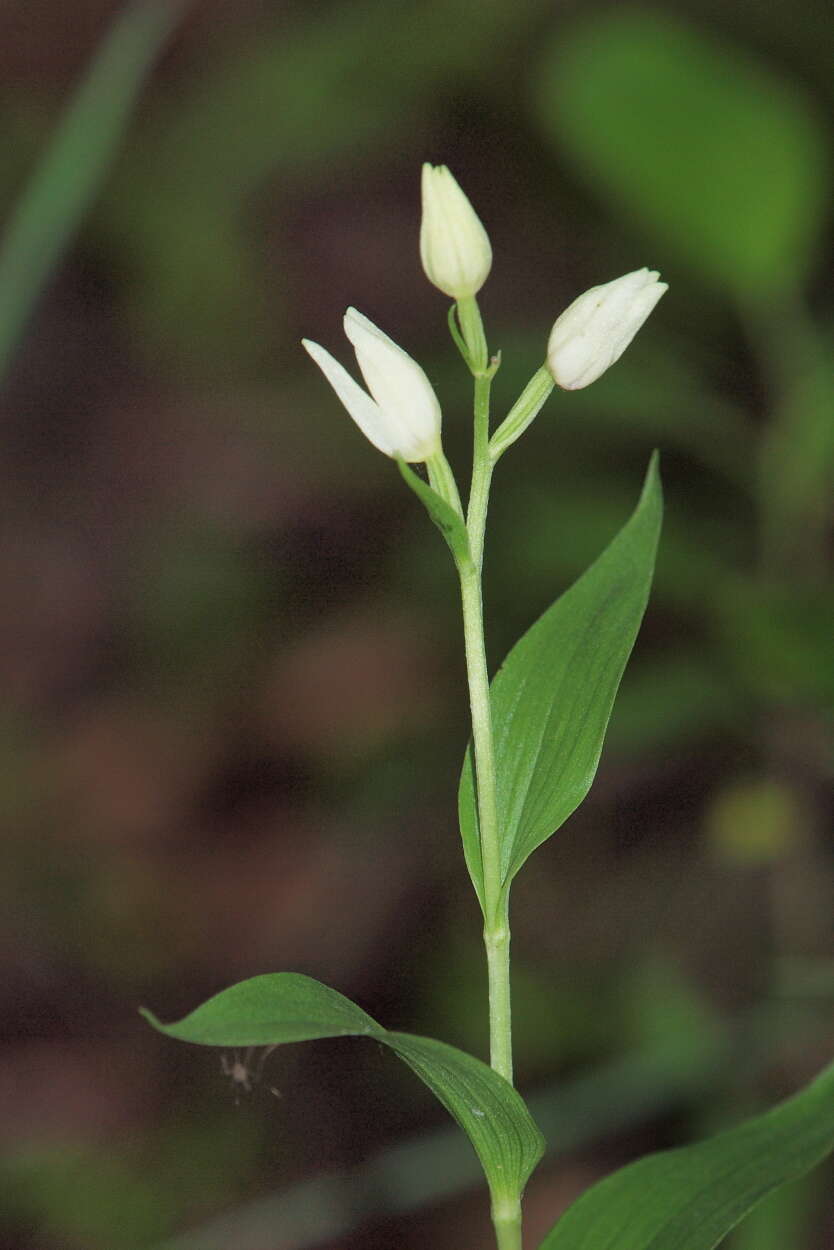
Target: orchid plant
537,733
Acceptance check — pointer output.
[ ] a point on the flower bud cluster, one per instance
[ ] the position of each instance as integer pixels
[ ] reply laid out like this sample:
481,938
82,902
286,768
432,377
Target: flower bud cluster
399,411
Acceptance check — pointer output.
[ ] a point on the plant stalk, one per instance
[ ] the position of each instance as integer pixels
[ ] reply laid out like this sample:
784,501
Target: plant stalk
496,924
506,1218
507,1224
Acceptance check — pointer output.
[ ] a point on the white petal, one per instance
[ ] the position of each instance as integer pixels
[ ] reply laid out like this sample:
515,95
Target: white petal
365,412
386,368
399,386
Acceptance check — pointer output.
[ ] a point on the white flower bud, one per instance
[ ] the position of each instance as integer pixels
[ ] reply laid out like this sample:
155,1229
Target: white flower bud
403,417
454,246
597,328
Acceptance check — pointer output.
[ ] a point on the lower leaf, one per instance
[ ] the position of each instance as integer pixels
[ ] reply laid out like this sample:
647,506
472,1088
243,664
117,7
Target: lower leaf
690,1199
288,1007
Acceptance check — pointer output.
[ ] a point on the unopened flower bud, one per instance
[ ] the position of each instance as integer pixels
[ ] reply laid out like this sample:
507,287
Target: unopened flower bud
454,246
401,416
598,326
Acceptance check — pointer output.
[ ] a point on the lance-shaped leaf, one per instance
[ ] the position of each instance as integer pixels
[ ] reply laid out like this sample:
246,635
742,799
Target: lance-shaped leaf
288,1007
552,697
689,1199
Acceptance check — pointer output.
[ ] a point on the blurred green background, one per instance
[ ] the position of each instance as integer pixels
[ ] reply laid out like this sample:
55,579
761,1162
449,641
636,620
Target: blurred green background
234,705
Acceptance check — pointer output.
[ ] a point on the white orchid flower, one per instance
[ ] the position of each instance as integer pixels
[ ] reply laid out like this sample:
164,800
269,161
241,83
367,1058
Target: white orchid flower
401,415
596,329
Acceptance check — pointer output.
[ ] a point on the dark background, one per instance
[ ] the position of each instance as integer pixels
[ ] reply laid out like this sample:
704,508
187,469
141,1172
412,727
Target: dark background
233,697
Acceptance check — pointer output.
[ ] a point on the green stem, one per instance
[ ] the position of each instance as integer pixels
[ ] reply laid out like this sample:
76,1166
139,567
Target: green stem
507,1222
497,943
523,412
496,924
506,1216
478,679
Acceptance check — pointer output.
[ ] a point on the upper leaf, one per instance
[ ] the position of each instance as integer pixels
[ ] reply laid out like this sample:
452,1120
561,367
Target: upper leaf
288,1007
689,1199
551,699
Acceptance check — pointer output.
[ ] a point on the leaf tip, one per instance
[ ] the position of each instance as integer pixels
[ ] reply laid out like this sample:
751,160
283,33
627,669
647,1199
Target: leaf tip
653,483
153,1021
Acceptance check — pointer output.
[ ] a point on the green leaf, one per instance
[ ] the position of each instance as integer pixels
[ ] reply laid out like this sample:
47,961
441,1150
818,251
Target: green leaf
689,1199
552,697
288,1007
705,147
449,522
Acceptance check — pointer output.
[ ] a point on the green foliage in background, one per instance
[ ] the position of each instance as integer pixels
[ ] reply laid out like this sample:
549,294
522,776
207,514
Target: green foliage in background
717,158
60,193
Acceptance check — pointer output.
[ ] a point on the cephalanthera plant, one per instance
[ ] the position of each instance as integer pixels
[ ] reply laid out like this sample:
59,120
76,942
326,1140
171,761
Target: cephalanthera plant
537,734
